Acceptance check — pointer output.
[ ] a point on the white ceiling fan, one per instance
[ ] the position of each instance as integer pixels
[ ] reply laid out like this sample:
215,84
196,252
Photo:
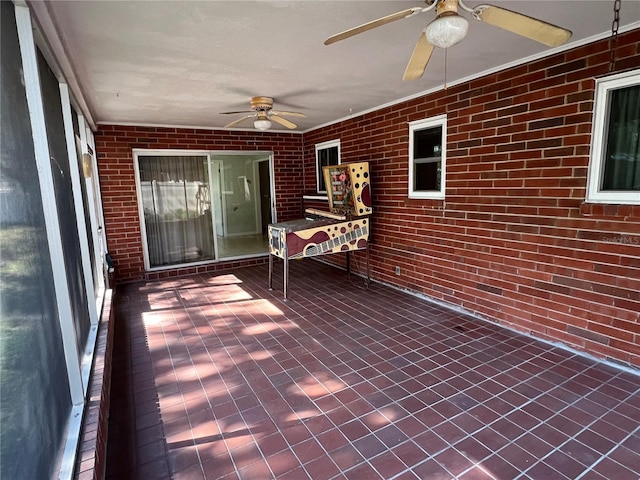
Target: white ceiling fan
262,112
450,28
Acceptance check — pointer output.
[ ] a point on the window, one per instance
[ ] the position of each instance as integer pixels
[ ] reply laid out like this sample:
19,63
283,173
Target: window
614,168
327,153
427,154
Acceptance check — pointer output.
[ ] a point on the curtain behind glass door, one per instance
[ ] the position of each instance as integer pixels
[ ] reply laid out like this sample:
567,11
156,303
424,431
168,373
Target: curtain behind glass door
176,201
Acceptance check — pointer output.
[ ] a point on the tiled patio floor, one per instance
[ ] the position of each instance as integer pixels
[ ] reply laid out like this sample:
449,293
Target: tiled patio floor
216,377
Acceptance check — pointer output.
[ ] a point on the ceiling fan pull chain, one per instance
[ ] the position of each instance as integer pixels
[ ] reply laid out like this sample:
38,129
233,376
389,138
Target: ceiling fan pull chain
613,41
445,67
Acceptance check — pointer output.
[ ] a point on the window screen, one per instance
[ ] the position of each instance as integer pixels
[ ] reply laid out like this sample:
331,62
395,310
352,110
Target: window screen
34,394
64,201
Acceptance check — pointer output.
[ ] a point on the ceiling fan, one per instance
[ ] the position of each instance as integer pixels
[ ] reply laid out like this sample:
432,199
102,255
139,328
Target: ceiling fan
262,113
450,28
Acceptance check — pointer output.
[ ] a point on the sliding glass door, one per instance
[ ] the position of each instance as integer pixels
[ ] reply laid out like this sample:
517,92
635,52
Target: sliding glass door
199,208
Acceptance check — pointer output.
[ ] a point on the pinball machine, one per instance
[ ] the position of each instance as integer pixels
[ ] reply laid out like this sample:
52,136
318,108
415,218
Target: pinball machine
344,228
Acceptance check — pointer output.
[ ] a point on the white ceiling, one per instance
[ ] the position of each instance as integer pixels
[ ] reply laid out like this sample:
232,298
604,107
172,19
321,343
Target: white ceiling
181,63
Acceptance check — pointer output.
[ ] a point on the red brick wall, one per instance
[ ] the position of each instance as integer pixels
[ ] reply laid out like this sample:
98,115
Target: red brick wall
514,240
114,145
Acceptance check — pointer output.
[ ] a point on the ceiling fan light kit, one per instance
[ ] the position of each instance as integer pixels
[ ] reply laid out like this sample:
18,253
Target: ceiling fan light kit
262,124
450,28
447,30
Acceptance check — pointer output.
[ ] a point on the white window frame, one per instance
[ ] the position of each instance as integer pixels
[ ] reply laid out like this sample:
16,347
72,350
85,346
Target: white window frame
325,146
78,358
438,121
598,140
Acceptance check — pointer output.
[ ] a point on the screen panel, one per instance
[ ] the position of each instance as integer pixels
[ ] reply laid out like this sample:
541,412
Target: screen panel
64,201
35,401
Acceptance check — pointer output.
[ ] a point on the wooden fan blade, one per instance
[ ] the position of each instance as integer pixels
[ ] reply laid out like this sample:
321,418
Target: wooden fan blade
529,27
419,59
240,120
375,23
282,121
235,113
291,114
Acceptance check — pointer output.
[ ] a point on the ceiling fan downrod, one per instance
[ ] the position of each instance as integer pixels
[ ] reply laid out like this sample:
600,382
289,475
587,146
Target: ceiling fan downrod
613,40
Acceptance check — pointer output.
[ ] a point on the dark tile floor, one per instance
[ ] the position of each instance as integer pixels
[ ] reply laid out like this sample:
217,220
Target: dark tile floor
216,377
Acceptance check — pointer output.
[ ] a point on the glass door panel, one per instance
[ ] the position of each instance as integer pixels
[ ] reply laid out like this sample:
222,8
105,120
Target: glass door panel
240,207
177,209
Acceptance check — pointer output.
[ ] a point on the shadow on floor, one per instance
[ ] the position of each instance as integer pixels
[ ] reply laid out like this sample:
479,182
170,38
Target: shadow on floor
217,377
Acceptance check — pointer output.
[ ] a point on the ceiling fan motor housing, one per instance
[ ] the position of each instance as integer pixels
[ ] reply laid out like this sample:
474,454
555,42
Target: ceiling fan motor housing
447,6
261,104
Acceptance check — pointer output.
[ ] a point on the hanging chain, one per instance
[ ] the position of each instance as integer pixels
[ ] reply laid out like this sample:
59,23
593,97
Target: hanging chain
613,41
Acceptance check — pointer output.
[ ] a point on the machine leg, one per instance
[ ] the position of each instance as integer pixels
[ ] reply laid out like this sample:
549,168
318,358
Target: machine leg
368,269
286,275
270,272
